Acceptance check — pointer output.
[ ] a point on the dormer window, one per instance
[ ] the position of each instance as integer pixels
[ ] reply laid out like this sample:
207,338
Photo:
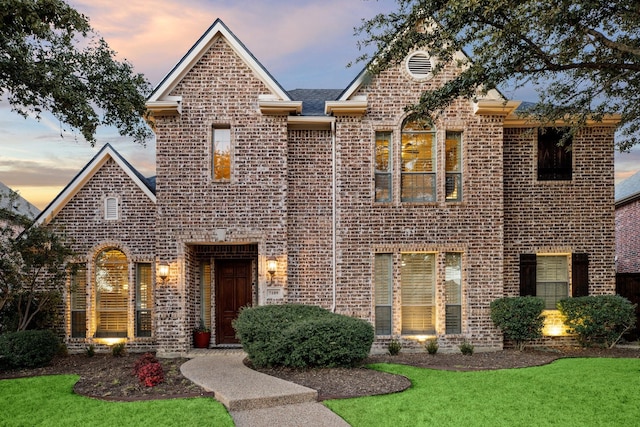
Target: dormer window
111,208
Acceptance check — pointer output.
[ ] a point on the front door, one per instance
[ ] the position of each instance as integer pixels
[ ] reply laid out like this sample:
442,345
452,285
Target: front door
233,291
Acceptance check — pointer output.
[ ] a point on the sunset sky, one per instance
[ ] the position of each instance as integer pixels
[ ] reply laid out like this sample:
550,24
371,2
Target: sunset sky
303,44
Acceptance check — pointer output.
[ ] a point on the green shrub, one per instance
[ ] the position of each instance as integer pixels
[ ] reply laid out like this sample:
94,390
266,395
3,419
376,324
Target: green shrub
90,351
118,350
519,318
598,319
302,336
466,348
394,347
27,349
432,346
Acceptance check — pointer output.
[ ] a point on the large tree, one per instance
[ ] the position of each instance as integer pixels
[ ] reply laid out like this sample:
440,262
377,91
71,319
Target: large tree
582,56
51,59
34,266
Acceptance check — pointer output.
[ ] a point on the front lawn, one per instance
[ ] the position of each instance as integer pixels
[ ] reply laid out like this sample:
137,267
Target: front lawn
50,401
568,392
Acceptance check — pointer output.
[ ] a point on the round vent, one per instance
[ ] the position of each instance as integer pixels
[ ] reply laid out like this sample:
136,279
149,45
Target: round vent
419,65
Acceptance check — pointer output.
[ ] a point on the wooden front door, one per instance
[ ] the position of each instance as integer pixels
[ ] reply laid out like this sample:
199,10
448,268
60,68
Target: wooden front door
233,291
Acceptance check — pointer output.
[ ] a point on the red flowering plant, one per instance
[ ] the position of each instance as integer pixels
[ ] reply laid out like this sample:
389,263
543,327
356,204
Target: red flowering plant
148,370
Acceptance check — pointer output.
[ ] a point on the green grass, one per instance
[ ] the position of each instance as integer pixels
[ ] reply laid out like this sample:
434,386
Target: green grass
50,401
568,392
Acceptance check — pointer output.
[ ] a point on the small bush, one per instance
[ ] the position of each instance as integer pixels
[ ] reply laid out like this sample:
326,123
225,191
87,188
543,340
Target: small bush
90,351
145,359
432,346
27,349
302,336
148,370
598,319
466,348
394,347
151,374
519,318
118,350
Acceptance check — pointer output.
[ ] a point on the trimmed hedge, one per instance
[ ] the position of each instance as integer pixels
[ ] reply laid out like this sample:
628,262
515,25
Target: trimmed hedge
519,318
27,349
302,336
598,319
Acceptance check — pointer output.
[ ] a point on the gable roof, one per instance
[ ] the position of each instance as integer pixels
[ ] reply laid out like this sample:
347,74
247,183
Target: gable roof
313,100
18,205
216,30
107,152
628,190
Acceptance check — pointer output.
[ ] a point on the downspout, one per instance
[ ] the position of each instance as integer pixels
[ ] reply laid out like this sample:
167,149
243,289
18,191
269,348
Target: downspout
333,214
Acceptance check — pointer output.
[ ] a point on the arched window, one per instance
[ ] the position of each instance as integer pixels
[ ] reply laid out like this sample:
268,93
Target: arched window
418,164
112,294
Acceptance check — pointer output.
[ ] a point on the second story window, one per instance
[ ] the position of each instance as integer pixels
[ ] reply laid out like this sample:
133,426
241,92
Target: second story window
555,162
383,162
453,166
221,153
418,162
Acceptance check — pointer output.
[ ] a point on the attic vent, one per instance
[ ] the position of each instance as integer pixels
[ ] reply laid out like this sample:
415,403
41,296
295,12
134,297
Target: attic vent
111,208
419,65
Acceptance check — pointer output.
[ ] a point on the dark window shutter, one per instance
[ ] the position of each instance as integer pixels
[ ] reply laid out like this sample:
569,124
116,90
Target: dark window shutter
580,275
527,274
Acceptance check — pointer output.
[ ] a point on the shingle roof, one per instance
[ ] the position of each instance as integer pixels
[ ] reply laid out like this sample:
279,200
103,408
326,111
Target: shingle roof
313,99
629,189
19,205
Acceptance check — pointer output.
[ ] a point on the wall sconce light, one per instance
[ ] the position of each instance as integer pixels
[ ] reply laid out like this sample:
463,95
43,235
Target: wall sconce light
272,267
163,271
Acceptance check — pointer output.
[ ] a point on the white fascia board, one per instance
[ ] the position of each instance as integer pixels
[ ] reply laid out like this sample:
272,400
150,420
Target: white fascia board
199,49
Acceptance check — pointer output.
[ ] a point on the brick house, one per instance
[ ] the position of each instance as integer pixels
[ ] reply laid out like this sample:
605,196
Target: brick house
332,198
627,205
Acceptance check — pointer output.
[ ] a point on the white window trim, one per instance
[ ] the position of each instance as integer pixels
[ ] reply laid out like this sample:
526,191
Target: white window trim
420,76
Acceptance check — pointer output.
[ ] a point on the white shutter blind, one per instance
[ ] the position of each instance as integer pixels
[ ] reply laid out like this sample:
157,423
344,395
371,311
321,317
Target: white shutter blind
205,290
552,279
383,271
112,292
418,293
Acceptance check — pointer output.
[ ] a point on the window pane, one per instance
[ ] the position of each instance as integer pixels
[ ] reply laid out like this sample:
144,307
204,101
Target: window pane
552,279
383,271
144,300
453,160
221,154
418,293
79,303
554,160
418,163
205,293
418,187
383,167
112,289
453,293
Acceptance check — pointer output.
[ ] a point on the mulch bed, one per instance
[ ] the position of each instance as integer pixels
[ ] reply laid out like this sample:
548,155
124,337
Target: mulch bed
111,378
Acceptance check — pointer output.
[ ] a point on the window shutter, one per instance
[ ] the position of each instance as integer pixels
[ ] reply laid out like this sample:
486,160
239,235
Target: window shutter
527,274
580,275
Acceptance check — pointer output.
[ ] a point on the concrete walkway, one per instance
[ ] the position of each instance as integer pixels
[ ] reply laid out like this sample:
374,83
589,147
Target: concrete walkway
254,399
